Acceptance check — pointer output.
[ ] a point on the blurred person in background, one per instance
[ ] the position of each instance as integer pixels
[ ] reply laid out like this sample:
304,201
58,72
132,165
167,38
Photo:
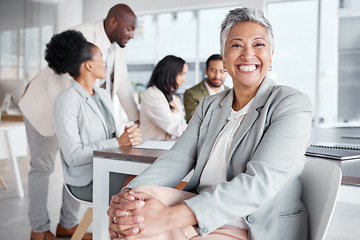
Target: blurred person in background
161,112
212,84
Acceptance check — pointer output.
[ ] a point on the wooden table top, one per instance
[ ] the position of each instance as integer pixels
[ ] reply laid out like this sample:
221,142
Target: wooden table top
132,154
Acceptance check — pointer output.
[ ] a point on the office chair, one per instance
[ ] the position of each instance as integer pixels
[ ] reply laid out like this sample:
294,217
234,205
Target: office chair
321,181
86,219
88,216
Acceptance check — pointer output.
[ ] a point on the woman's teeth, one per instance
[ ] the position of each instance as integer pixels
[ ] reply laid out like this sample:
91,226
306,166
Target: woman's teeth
247,68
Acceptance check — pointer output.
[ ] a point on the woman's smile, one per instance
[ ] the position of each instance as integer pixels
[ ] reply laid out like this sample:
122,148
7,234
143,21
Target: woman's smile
248,68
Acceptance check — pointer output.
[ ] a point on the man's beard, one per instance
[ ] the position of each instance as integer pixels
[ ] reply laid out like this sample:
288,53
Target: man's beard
210,83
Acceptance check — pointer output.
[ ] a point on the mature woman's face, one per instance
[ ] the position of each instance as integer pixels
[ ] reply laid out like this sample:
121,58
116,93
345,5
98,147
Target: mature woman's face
247,55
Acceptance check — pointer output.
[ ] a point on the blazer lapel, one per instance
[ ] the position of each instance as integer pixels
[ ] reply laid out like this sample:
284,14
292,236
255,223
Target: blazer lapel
108,105
218,120
91,103
260,99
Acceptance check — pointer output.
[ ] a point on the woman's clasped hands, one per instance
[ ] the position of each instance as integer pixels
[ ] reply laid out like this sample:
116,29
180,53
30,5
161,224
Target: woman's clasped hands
130,137
137,215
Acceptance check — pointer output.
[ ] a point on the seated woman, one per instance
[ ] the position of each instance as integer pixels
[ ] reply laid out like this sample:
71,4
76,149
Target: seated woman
246,146
83,115
161,112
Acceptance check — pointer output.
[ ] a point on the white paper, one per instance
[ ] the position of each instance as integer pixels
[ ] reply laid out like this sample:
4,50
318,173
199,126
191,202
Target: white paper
164,145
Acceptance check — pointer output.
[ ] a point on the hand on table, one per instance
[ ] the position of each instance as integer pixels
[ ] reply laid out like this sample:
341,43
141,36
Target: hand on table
130,137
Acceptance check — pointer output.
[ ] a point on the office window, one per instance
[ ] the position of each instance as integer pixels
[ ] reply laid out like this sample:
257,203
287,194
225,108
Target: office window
349,71
209,32
141,54
177,36
32,51
177,32
297,50
8,57
23,36
192,35
142,46
47,32
209,36
294,59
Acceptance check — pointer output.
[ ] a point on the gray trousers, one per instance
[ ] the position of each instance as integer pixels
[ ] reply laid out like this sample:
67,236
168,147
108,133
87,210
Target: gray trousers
43,152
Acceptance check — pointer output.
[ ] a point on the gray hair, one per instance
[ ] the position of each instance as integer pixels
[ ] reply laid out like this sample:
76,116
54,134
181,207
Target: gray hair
244,15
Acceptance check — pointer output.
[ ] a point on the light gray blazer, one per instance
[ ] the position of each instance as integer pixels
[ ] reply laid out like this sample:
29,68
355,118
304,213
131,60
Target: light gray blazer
80,129
265,161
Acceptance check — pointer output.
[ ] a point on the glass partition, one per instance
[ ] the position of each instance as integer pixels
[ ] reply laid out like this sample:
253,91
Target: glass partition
25,28
306,48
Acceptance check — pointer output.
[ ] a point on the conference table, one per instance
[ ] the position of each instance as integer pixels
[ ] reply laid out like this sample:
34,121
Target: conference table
133,161
125,160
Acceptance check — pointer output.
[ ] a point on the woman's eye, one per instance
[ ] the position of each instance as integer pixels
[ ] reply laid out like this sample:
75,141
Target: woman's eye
236,45
259,45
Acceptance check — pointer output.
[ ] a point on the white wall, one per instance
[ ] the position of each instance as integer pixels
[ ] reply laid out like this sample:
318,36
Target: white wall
94,9
70,13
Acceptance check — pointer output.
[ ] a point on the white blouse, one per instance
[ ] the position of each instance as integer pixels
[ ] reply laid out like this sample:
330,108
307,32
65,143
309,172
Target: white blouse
157,121
215,169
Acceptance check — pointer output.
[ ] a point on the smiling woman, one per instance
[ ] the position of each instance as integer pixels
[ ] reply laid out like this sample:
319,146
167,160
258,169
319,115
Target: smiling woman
248,59
232,143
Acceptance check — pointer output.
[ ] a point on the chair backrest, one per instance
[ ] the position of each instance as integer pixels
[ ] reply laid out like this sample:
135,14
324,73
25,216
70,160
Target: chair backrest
77,199
321,181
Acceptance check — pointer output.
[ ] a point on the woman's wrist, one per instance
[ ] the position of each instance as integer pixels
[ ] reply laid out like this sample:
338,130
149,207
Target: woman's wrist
180,216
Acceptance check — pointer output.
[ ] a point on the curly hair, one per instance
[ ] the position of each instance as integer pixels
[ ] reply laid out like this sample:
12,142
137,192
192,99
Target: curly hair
66,51
164,75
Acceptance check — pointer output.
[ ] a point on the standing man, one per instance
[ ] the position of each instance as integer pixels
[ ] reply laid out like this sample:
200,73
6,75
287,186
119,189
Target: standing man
111,36
209,86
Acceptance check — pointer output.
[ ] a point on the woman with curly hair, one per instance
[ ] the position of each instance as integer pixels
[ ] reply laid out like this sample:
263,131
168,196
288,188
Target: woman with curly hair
161,113
83,115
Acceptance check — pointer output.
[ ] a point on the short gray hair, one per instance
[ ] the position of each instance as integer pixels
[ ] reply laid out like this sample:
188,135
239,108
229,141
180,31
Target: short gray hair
238,15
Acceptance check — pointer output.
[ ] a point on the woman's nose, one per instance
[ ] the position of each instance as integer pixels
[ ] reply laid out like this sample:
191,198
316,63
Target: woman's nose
247,53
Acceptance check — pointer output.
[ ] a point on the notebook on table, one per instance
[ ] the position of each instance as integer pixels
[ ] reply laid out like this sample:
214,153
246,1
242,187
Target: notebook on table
338,151
156,144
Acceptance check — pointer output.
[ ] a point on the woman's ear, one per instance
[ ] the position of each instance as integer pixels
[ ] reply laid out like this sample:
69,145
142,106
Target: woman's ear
224,64
88,66
271,56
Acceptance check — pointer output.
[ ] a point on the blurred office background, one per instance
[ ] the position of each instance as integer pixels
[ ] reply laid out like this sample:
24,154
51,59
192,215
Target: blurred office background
316,42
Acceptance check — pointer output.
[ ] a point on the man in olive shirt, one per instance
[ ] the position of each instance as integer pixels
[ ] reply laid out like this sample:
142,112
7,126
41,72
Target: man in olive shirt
209,86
